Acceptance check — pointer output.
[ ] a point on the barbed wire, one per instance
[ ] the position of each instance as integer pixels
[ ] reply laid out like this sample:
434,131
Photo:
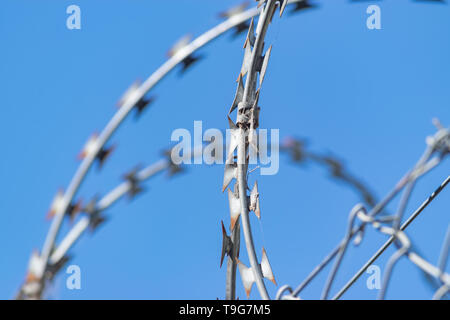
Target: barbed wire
131,187
40,266
299,154
44,266
243,138
95,150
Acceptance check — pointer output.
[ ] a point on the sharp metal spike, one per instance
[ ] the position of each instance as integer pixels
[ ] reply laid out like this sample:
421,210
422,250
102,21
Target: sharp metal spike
254,123
95,216
73,209
235,208
266,268
254,201
250,34
227,244
271,16
253,139
173,167
90,147
104,154
239,94
230,174
36,268
240,28
302,5
247,273
245,62
189,61
91,207
133,180
232,125
56,205
234,10
234,140
283,4
264,65
179,45
255,104
142,104
55,268
246,276
129,94
260,3
95,223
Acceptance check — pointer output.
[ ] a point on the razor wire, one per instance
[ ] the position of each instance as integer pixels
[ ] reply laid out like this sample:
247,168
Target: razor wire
133,186
242,139
40,265
43,267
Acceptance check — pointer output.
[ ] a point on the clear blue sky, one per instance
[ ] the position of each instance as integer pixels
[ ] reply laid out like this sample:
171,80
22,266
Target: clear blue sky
367,96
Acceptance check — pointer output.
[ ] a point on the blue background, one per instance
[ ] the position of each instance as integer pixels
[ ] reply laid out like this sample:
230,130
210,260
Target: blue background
365,95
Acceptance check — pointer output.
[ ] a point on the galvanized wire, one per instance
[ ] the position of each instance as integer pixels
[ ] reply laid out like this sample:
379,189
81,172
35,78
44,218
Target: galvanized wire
53,255
437,150
139,94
